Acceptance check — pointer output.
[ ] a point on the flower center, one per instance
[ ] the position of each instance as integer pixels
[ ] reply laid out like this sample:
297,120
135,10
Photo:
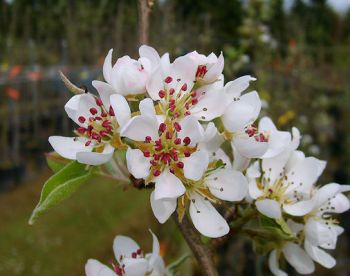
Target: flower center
101,125
168,150
176,102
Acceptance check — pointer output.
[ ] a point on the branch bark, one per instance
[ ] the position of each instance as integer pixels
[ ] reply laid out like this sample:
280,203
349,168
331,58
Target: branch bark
202,252
144,11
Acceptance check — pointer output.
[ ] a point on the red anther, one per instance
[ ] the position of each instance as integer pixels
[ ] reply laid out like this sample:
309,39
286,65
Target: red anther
156,156
103,133
98,118
187,154
172,108
177,126
146,154
168,79
81,130
157,173
171,102
168,135
175,156
194,94
166,158
87,143
99,102
118,271
104,114
138,251
187,113
187,106
270,191
111,111
177,141
106,123
153,162
133,255
172,170
162,127
261,138
108,129
158,142
180,165
95,136
161,94
176,114
81,119
194,101
171,91
158,148
184,87
187,140
93,111
148,139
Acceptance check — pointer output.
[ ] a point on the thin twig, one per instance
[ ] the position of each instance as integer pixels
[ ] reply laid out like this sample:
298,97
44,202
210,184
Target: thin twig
202,252
144,11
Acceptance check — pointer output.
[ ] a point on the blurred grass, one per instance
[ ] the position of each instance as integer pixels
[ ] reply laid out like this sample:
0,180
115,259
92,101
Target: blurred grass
82,227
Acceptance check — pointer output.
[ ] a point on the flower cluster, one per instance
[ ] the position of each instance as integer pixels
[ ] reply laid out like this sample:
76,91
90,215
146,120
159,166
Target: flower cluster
173,120
131,260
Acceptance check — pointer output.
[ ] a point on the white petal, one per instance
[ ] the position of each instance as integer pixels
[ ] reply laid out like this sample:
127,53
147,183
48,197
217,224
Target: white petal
215,70
150,53
168,186
107,67
253,171
220,155
273,264
121,109
326,192
71,107
318,233
68,147
212,140
339,204
105,91
269,208
196,165
300,208
295,226
139,127
297,258
210,106
254,190
242,113
295,157
163,208
135,267
227,184
147,107
155,83
157,266
236,87
249,147
96,158
278,140
138,165
86,102
240,162
155,244
274,167
305,173
319,256
123,247
206,219
191,128
95,268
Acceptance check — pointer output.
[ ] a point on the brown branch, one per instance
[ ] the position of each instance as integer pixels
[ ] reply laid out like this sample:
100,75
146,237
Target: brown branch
144,11
201,251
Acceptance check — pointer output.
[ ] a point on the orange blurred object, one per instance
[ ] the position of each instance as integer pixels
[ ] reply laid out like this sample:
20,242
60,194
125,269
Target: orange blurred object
15,71
162,249
292,43
13,93
34,76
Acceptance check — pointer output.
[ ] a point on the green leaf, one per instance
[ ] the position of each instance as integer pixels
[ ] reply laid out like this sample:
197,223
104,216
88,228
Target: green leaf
60,186
55,161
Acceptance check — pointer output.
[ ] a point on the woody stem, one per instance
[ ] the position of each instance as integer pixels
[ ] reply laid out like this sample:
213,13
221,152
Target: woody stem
202,252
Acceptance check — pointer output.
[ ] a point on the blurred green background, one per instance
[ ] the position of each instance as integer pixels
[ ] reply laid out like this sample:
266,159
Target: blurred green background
298,50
